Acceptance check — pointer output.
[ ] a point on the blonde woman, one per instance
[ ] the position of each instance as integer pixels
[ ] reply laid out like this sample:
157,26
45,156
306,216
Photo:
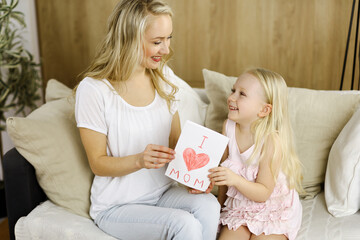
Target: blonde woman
260,178
128,121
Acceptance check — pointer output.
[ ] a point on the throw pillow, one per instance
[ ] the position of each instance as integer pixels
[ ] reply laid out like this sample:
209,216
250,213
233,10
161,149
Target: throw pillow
190,107
56,90
218,88
342,180
49,139
317,118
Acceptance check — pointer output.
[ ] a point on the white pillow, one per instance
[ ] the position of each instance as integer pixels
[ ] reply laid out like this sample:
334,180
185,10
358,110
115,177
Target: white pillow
342,180
190,107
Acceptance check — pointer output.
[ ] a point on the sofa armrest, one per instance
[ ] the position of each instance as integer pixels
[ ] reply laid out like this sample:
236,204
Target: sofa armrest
22,191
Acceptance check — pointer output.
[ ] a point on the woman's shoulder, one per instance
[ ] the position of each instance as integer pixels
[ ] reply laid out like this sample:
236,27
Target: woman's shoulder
168,73
92,84
89,81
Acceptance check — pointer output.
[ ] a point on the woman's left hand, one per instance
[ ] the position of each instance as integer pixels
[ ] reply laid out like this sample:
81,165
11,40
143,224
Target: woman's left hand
208,190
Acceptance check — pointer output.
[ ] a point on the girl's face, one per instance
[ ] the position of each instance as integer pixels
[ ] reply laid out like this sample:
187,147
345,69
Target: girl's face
247,100
157,40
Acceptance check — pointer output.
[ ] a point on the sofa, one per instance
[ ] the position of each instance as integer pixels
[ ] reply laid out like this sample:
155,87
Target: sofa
48,179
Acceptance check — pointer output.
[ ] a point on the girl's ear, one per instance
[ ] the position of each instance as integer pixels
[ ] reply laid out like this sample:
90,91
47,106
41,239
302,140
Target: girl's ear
265,111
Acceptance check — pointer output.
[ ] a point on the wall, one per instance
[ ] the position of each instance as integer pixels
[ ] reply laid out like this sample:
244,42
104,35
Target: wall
69,32
304,40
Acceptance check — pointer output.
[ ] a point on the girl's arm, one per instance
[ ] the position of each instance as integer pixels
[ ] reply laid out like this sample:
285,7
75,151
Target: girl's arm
261,189
154,156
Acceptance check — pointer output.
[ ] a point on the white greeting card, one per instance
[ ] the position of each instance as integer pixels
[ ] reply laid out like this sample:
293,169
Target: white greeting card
197,150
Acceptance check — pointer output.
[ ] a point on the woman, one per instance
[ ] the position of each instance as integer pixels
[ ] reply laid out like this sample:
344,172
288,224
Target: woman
127,116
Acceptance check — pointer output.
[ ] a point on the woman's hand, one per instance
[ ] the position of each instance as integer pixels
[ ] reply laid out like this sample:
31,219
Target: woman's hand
155,156
208,190
222,176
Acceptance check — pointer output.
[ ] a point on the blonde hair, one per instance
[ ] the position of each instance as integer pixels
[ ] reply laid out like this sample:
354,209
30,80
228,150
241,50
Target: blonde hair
276,126
122,49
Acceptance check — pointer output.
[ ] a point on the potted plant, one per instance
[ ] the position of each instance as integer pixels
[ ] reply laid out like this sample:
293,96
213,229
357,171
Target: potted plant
19,77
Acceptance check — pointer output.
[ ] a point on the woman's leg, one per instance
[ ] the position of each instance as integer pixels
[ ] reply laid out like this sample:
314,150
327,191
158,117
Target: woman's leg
134,221
204,207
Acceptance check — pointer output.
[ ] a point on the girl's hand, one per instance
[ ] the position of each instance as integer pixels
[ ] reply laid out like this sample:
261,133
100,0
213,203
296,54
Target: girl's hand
155,156
223,176
208,190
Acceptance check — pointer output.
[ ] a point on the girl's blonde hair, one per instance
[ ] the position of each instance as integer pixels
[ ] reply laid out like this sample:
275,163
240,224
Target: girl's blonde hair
276,126
122,50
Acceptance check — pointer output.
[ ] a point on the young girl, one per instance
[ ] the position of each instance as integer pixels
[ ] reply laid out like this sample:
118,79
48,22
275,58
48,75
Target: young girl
127,116
260,178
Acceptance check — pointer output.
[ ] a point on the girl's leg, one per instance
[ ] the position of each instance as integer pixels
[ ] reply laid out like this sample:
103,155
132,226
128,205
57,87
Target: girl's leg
268,237
242,233
204,207
136,222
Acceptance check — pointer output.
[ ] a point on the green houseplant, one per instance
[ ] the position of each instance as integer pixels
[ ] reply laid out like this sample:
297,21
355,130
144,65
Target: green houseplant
19,77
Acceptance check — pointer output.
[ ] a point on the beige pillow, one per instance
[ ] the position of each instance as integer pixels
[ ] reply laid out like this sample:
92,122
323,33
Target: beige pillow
56,90
49,139
218,88
317,118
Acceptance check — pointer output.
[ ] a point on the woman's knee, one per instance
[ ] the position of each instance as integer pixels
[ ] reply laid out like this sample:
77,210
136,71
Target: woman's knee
208,203
184,225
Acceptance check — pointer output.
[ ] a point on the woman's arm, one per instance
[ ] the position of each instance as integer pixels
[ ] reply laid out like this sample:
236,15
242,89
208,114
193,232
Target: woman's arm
154,156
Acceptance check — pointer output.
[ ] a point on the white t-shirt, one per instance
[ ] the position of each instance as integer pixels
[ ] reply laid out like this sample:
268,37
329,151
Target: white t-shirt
129,130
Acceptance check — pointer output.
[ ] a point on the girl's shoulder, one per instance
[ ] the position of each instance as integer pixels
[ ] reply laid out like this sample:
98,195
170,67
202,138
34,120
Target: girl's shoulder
272,146
228,126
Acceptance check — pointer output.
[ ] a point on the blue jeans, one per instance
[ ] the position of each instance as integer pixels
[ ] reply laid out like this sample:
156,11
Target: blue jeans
177,215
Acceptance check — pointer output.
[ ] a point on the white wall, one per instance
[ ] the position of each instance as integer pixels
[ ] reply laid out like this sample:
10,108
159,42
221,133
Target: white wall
31,43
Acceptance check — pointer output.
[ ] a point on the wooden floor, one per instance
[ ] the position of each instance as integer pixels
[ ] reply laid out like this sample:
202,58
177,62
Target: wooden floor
4,229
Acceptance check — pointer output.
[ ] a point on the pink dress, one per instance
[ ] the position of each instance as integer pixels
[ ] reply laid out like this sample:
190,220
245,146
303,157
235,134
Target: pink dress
280,214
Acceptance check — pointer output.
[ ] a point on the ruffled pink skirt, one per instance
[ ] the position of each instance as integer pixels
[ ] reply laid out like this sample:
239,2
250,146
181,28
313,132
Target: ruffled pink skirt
278,215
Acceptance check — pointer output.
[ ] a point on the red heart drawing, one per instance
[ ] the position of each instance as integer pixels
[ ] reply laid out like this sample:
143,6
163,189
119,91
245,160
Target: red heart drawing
193,160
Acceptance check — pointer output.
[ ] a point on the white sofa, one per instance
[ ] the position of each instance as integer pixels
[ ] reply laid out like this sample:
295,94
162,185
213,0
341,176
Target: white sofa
326,125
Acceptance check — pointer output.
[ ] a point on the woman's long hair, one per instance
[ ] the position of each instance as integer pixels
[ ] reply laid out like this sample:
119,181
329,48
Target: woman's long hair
276,127
122,50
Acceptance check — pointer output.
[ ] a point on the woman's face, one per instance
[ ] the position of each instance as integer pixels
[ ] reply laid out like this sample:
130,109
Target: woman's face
157,40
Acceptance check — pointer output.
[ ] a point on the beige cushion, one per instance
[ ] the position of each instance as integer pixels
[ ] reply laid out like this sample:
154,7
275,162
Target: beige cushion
342,180
49,139
56,90
317,118
218,88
